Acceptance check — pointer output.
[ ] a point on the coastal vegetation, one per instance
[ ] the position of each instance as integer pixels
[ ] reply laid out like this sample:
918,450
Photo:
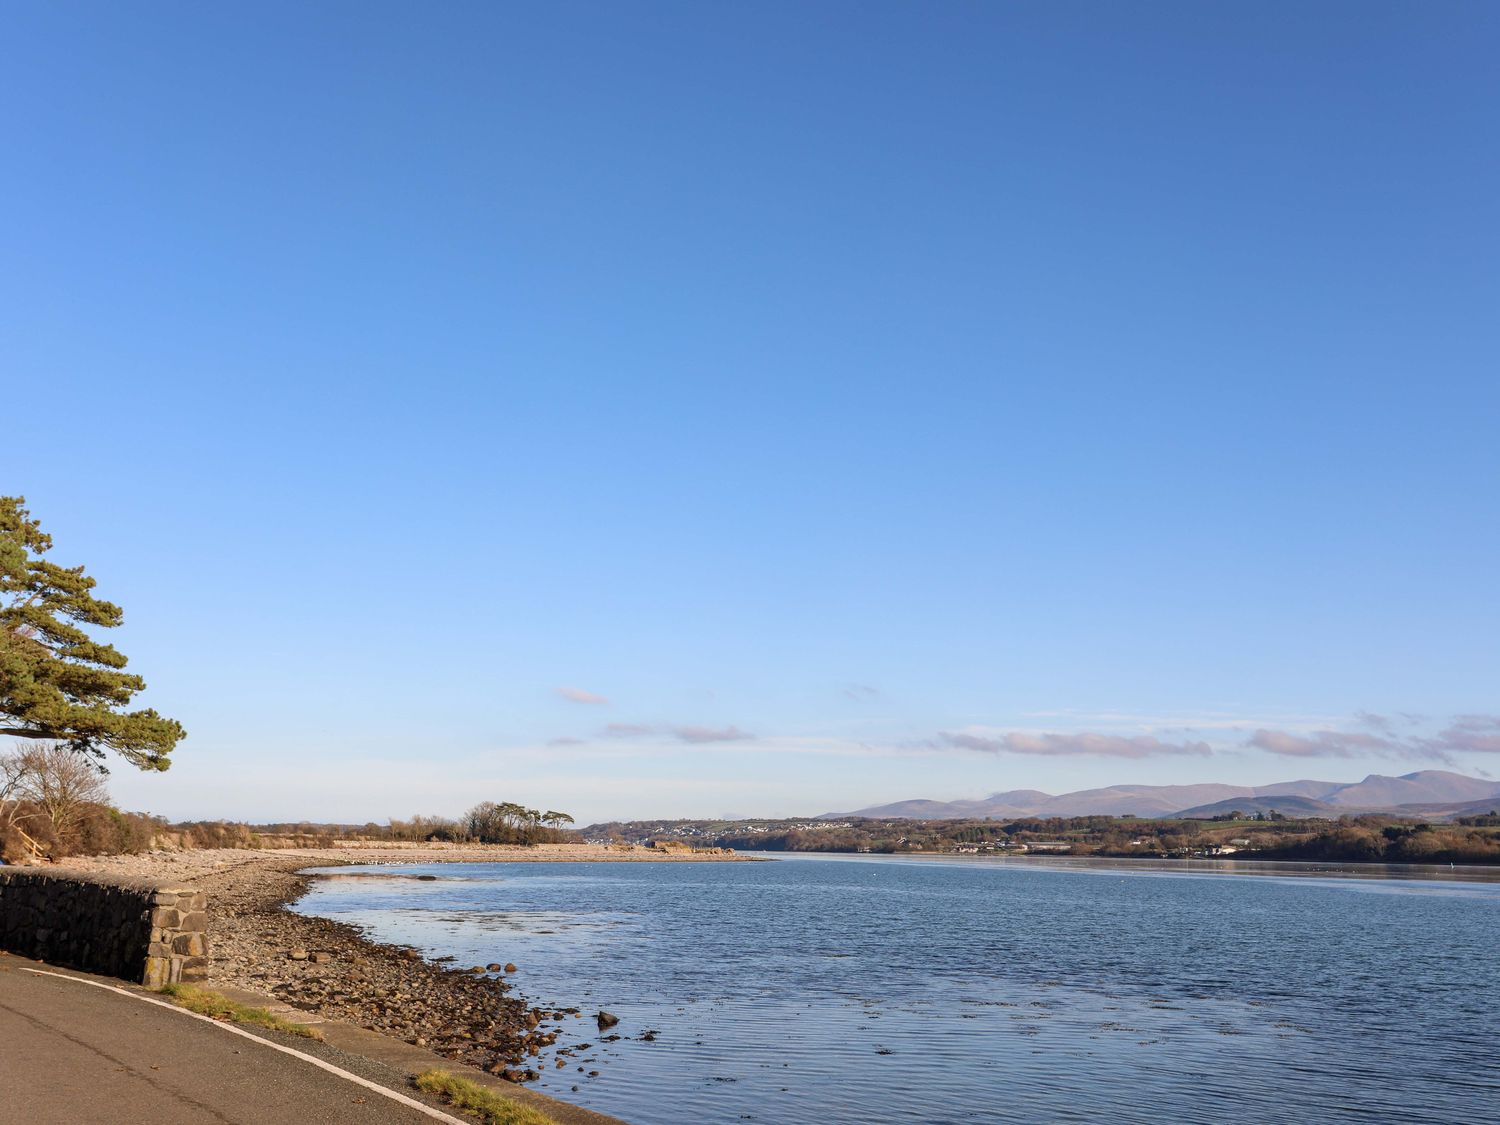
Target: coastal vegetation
1372,840
217,1006
488,822
486,1105
54,803
510,823
57,684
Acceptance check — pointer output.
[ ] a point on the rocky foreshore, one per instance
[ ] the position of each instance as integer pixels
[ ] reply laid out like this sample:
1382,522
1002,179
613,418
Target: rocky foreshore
473,1018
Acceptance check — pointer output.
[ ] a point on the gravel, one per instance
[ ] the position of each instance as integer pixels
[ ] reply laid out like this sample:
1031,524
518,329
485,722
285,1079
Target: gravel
458,1015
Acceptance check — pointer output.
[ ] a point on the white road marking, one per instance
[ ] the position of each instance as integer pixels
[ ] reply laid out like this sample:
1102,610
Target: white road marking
420,1107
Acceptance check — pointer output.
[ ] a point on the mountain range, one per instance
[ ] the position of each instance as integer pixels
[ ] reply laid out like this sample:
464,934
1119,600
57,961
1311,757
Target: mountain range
1426,792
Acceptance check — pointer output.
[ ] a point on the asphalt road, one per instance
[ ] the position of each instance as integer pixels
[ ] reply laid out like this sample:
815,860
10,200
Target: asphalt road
74,1054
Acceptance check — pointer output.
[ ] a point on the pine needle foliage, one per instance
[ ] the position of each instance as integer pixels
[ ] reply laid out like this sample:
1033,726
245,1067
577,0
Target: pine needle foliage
56,682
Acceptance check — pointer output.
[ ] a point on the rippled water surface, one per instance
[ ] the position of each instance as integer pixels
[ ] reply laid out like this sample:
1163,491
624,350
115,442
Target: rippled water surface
867,989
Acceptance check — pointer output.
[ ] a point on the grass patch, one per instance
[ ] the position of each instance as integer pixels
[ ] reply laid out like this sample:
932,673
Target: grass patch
220,1007
488,1106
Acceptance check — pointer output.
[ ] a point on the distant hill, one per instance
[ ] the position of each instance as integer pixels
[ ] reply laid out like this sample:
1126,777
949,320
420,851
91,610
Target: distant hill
1437,786
1433,789
1286,805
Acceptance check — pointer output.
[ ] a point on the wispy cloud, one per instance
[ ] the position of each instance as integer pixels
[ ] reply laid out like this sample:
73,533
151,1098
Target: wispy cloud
578,695
1319,744
1397,736
1472,734
1374,721
861,692
1363,735
710,734
1082,744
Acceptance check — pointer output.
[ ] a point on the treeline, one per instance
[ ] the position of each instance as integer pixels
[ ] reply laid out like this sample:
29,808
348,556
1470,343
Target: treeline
1396,843
1087,835
796,840
488,822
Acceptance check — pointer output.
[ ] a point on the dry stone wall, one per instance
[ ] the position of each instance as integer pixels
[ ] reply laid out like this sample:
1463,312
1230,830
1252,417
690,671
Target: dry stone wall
143,930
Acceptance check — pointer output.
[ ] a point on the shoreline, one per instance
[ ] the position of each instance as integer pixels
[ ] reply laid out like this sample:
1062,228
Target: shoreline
257,944
1210,865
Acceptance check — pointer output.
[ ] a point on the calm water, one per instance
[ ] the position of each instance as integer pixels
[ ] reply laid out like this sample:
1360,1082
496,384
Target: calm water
882,990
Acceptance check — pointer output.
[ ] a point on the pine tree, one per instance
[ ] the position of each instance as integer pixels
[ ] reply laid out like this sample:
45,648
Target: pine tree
56,682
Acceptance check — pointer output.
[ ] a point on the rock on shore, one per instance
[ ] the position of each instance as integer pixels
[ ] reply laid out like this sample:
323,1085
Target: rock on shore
328,968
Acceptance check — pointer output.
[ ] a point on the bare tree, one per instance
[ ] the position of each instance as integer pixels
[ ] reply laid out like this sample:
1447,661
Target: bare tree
13,771
61,782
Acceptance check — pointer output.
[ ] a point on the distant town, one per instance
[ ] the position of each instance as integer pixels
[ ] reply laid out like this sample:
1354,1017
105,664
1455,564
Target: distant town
1259,835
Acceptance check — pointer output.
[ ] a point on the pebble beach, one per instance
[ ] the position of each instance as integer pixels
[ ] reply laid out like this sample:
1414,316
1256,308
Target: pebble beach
478,1019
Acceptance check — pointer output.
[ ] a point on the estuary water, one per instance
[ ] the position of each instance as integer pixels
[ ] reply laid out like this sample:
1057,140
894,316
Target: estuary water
875,989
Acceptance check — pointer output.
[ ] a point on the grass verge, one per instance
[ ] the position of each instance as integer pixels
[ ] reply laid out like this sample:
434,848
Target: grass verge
219,1007
488,1106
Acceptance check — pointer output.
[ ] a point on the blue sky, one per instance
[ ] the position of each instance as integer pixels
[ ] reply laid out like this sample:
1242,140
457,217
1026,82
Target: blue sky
656,409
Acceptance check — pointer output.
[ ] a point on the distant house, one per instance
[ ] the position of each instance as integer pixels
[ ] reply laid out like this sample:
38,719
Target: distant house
1048,846
1242,842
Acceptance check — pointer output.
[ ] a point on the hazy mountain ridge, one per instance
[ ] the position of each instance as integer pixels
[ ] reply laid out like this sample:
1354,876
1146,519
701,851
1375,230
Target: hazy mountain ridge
1423,789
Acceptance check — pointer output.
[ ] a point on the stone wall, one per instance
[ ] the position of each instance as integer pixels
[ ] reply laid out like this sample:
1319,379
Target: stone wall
145,930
